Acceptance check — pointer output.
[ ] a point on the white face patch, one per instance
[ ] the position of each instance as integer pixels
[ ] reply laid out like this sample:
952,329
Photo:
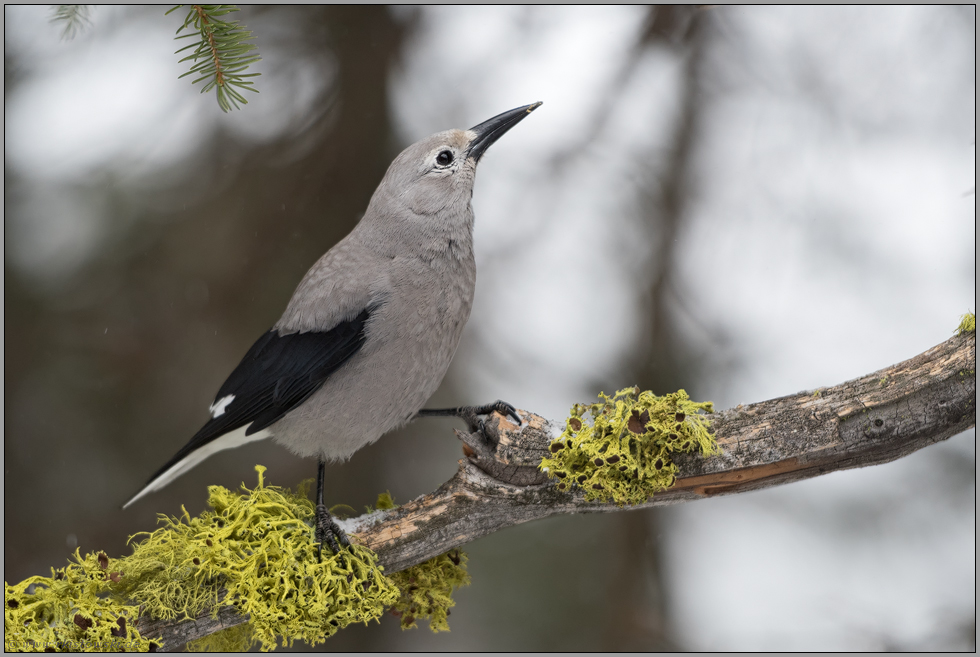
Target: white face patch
218,407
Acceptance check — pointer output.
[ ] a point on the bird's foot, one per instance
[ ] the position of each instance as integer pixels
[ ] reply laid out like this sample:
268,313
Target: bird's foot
481,441
472,414
327,530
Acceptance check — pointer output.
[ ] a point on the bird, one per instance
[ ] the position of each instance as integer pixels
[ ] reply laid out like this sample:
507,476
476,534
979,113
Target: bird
371,328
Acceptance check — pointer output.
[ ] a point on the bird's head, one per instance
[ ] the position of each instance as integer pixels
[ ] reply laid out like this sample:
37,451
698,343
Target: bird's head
436,174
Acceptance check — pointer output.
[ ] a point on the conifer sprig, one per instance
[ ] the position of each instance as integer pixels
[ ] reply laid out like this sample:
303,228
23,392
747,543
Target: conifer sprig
221,55
73,17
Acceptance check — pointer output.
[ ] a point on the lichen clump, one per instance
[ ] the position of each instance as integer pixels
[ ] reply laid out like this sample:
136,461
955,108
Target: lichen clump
427,590
968,324
239,638
385,502
257,546
73,610
621,448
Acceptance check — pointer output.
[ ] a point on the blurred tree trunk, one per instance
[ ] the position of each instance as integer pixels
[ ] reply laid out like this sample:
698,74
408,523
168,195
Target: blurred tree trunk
639,603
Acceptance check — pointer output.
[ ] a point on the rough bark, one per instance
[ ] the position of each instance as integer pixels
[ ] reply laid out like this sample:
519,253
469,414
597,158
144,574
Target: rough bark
874,419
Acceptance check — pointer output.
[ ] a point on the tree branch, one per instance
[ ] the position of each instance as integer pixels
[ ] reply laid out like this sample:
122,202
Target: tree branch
874,419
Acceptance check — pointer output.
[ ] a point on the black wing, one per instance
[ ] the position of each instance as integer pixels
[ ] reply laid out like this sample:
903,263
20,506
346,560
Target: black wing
277,374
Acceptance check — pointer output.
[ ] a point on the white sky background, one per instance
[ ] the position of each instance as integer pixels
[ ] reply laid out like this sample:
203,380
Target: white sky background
833,234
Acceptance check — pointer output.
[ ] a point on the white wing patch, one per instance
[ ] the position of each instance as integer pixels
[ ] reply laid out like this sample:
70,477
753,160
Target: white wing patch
235,438
218,407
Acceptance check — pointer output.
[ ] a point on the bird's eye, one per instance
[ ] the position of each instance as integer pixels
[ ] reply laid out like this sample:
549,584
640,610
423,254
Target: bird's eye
444,159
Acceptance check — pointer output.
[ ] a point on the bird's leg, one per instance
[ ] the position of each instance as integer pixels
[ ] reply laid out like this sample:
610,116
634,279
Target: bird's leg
471,415
326,528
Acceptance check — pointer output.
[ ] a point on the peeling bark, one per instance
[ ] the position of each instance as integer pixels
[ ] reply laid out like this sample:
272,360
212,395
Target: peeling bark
874,419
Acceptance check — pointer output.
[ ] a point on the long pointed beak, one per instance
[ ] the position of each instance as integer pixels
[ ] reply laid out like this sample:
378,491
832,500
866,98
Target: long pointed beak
493,129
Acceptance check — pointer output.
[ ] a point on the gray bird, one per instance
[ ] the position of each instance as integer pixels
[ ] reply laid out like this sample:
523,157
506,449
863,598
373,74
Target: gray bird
371,329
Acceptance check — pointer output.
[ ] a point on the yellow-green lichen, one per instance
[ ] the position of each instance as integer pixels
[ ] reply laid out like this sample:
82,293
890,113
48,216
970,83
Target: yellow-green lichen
385,501
968,324
621,448
239,638
71,611
257,546
427,590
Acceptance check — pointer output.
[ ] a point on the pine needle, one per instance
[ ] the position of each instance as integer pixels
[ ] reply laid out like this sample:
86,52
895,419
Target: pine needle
221,54
73,18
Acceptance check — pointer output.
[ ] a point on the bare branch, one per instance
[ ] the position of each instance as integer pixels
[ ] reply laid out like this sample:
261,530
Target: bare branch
875,419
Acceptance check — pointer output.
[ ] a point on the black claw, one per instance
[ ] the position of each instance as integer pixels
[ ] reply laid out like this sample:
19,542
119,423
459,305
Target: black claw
504,409
512,412
327,530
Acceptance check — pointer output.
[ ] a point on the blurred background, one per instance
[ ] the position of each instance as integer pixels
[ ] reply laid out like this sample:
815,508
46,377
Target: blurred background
743,202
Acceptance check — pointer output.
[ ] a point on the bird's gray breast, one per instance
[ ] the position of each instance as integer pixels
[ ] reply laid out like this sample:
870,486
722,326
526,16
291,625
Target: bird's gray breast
418,316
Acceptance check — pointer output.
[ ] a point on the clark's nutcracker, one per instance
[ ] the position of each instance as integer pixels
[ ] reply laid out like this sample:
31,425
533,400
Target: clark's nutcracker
371,328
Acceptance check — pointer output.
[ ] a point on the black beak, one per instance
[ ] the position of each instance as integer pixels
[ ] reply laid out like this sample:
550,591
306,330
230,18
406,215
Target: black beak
493,129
